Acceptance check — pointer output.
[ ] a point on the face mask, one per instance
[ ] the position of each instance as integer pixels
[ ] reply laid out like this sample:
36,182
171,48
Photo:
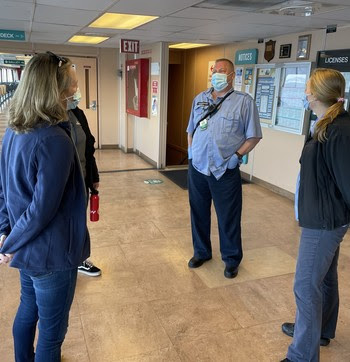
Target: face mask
219,81
74,100
306,102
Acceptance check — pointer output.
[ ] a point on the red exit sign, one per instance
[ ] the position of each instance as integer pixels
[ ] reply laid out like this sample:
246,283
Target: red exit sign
129,46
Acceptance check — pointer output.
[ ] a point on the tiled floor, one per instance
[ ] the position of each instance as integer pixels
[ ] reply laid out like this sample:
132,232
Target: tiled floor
148,306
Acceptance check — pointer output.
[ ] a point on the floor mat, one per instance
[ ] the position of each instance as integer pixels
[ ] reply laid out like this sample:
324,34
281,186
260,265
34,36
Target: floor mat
179,177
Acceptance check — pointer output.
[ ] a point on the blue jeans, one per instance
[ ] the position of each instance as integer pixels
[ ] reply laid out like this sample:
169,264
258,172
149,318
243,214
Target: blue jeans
316,292
46,297
227,196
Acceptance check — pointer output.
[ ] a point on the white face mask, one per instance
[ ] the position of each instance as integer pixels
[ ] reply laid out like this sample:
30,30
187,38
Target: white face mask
74,100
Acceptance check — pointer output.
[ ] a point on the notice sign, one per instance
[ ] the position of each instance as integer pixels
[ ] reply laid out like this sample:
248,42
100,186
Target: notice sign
211,65
154,86
129,46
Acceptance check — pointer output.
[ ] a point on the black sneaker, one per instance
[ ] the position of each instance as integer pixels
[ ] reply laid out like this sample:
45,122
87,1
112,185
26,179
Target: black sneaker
89,268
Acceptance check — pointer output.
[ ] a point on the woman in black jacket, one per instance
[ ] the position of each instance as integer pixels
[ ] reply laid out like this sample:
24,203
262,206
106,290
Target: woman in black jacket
323,210
84,142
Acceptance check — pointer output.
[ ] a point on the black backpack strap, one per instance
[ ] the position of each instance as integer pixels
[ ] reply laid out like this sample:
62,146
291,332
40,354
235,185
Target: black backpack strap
212,110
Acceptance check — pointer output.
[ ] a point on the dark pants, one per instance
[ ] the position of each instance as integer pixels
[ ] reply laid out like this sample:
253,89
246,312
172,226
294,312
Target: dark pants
227,196
316,292
46,297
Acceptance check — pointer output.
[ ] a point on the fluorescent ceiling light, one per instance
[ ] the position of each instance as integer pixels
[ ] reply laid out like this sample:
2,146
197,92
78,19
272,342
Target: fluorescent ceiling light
187,45
121,21
87,39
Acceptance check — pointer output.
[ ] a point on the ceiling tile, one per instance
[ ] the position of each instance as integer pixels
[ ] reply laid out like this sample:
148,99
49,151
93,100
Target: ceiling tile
54,28
151,7
79,4
341,15
60,37
15,10
65,16
15,25
206,14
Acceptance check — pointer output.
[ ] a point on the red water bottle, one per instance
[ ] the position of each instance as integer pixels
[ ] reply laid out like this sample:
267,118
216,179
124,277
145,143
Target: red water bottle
94,203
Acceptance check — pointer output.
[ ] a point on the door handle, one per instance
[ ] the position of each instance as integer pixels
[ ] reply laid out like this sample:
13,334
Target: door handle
93,105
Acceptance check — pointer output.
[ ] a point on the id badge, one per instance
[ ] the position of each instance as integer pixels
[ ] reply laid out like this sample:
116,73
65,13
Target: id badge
203,125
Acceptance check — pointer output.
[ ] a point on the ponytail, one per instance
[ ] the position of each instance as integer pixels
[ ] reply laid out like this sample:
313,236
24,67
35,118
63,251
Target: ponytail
321,126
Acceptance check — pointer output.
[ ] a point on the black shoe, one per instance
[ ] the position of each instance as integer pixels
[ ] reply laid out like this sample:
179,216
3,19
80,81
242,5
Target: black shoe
231,272
196,263
286,360
288,329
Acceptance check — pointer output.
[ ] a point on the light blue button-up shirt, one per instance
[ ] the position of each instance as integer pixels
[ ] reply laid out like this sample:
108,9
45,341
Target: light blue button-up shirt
213,149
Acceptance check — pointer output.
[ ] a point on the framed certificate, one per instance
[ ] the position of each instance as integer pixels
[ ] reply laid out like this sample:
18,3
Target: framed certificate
285,50
303,51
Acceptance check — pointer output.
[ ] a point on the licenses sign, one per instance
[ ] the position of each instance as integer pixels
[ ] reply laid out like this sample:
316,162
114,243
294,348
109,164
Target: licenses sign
130,46
336,59
13,35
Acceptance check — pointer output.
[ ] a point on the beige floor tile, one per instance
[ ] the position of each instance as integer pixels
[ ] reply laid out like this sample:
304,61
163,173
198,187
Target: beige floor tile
161,355
212,273
257,263
74,349
158,251
134,232
192,316
263,343
170,279
124,331
268,262
260,301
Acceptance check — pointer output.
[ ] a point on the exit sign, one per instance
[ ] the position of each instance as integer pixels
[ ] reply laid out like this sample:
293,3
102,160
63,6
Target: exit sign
129,46
14,62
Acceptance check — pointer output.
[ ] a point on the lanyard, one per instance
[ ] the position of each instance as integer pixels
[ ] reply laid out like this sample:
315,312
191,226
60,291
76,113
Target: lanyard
211,111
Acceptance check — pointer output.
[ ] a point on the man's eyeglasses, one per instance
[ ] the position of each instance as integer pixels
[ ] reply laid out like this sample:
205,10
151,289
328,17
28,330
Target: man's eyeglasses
58,58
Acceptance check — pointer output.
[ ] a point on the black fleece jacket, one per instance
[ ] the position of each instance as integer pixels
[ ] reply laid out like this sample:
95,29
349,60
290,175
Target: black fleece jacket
324,193
92,175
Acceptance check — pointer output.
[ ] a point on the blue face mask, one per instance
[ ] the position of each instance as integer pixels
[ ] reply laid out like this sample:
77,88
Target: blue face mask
306,102
219,81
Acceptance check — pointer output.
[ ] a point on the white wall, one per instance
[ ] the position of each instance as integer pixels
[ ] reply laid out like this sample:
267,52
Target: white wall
147,130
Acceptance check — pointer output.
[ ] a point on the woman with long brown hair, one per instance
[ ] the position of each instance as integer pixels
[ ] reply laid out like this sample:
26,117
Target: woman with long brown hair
42,206
323,211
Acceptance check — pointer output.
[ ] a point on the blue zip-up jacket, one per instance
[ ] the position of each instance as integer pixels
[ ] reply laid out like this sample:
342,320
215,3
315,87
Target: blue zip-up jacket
43,200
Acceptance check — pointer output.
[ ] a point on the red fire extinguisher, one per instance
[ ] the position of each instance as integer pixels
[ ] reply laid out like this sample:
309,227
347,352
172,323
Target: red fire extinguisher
94,203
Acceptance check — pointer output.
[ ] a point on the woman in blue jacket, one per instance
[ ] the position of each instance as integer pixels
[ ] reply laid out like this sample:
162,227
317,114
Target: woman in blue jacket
323,209
42,206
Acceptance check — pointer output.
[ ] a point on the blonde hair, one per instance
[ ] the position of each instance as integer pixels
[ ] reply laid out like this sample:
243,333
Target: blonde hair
39,96
328,86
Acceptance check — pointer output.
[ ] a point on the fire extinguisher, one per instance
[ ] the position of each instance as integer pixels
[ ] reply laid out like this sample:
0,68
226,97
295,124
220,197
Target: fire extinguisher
94,204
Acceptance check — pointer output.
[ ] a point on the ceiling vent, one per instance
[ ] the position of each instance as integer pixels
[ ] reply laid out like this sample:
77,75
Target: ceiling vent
275,7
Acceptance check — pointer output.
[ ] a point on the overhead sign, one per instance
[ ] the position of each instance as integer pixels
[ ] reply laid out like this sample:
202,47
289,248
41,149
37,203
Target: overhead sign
336,59
129,46
13,35
246,56
14,62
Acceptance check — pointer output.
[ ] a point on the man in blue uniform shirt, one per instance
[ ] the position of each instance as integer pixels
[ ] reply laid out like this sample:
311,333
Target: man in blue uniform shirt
216,145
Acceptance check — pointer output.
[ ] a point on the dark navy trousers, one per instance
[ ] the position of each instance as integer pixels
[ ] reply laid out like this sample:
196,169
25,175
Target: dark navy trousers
226,194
